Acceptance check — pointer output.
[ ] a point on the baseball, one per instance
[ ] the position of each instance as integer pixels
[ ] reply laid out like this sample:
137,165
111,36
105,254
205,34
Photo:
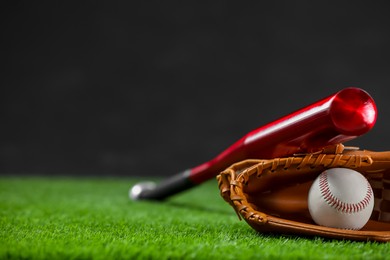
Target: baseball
341,198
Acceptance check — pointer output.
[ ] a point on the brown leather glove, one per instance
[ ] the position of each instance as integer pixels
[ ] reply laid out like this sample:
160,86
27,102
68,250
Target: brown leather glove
271,195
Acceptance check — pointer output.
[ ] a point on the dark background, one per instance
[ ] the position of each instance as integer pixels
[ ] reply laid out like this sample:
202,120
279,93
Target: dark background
155,88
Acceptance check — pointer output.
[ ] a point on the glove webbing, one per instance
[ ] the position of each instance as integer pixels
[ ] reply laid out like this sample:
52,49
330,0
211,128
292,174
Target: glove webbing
381,188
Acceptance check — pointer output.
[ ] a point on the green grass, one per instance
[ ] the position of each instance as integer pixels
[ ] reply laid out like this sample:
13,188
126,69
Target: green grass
92,218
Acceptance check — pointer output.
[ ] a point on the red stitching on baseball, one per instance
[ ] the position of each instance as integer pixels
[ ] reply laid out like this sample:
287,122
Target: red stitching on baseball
339,205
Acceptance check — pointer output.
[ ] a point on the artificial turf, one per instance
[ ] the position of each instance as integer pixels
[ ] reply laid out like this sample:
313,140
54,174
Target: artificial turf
92,218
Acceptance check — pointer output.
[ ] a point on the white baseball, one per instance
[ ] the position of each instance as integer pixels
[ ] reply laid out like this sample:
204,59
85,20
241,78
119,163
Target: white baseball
341,198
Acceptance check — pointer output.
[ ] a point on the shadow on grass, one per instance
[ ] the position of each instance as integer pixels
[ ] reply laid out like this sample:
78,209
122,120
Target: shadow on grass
302,238
200,208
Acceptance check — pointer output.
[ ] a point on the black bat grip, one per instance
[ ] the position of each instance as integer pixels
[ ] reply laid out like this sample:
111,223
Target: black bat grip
170,186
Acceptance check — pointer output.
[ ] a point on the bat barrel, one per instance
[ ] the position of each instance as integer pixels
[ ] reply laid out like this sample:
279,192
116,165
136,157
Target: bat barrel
353,112
338,118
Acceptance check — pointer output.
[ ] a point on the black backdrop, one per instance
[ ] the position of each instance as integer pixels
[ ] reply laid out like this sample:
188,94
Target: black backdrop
154,88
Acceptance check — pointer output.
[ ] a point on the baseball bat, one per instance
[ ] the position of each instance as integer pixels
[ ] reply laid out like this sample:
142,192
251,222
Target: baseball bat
338,118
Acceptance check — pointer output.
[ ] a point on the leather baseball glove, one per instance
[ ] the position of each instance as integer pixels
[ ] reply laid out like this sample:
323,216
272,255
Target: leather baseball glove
271,195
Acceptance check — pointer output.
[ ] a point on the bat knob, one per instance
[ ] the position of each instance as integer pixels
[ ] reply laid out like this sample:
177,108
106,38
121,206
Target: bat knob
136,191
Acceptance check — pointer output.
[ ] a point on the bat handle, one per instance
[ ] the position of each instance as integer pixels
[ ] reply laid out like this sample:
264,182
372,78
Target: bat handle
170,186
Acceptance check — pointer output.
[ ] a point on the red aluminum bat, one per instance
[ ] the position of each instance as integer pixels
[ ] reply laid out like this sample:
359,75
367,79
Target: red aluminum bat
338,118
